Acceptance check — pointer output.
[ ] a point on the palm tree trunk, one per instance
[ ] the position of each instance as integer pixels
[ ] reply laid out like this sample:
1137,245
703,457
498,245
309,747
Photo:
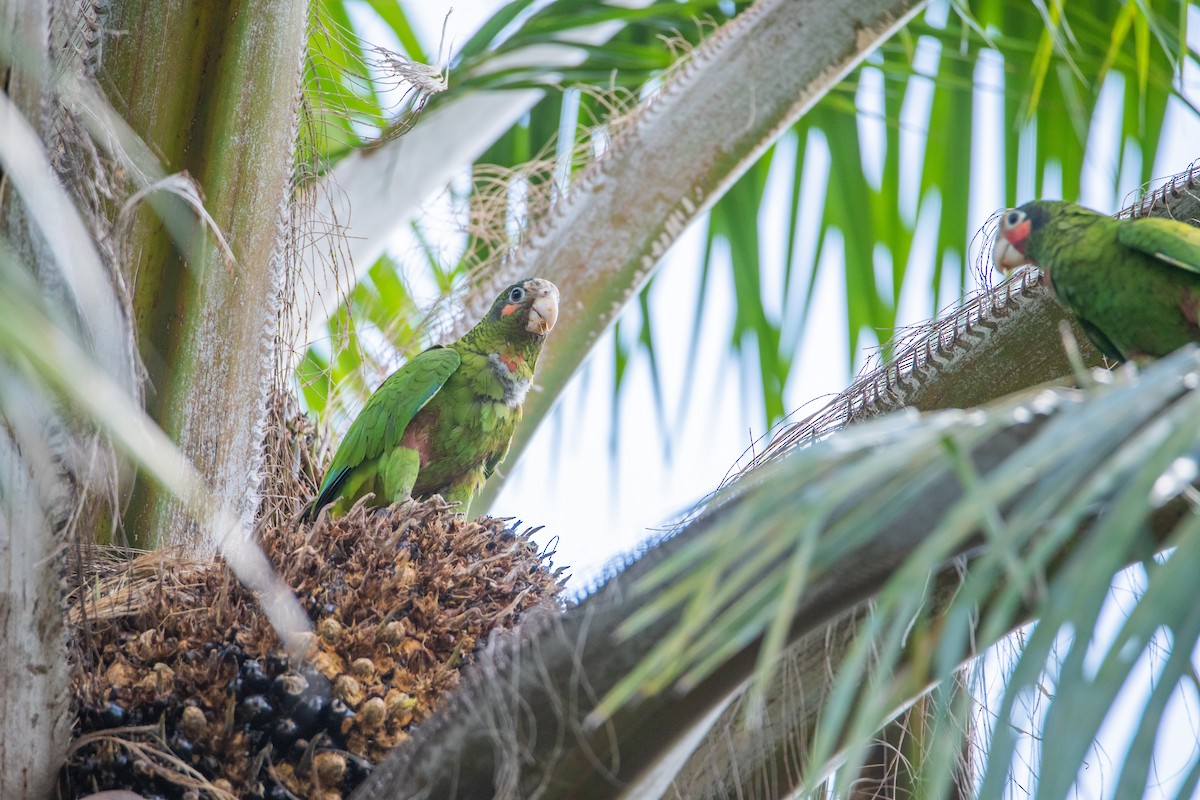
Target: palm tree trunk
49,473
34,726
214,89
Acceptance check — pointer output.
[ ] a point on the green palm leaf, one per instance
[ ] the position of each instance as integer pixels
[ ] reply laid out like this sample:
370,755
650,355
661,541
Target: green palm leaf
976,522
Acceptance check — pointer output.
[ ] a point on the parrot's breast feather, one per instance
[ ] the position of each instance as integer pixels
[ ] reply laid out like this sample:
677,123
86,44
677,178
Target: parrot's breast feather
514,376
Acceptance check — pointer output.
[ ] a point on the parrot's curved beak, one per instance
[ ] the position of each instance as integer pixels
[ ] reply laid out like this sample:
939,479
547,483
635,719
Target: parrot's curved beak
543,312
1006,256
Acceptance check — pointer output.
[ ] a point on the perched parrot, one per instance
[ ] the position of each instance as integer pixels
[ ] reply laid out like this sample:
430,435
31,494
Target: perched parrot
1133,284
443,421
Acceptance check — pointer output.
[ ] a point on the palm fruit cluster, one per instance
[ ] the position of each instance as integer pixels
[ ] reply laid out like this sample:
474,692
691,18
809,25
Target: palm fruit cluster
181,689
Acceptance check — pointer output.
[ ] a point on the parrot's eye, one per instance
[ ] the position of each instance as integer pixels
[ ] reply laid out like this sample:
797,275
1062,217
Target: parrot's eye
516,294
1013,218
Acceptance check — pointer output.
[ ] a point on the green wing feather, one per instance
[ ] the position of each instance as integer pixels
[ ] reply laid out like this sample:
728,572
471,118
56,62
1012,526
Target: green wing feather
380,425
1174,243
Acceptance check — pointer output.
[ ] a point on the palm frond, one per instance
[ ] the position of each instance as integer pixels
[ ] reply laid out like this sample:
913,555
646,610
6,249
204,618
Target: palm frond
973,56
960,525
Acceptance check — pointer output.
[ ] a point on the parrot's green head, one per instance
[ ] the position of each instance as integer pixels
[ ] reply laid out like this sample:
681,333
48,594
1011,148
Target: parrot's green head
1017,237
525,311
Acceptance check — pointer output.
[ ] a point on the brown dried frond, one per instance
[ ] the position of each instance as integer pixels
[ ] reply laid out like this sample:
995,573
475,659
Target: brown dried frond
182,667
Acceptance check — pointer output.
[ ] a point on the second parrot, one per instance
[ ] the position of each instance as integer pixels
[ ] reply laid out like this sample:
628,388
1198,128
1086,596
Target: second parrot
1133,284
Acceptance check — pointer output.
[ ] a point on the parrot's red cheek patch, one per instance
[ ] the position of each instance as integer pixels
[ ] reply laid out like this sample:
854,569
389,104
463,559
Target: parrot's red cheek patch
1016,236
508,309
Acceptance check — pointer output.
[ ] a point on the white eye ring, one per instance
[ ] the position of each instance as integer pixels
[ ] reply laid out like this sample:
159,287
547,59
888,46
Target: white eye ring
1013,218
516,295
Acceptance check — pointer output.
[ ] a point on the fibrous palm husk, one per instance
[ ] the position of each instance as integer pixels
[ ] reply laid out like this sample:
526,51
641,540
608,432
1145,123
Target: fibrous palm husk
181,687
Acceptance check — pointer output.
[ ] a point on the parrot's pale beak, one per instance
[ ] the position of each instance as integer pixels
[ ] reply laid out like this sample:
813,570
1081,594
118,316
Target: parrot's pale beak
1005,255
543,313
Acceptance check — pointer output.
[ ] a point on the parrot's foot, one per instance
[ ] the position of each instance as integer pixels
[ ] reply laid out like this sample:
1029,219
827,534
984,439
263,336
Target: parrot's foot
460,508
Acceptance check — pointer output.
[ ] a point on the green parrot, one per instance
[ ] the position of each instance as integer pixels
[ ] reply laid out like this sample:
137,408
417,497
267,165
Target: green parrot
443,421
1133,284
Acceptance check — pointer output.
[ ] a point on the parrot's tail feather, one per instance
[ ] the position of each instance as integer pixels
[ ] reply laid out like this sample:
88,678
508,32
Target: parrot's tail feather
329,492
